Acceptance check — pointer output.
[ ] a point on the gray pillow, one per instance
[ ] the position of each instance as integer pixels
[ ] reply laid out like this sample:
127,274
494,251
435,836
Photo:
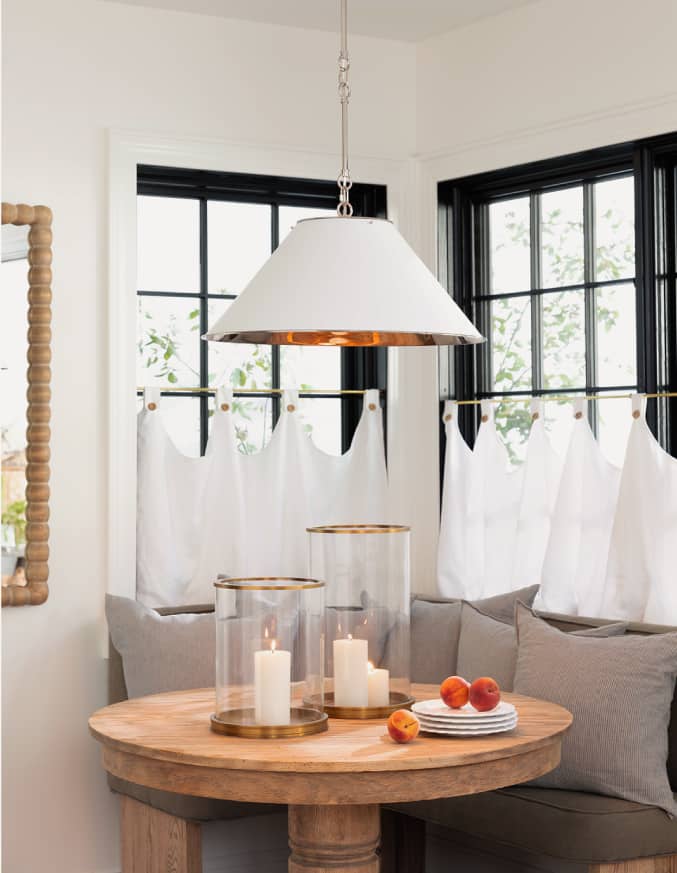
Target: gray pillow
619,691
488,647
161,652
436,627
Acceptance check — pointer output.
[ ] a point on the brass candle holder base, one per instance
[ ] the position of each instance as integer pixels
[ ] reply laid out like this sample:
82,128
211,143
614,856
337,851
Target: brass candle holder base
398,700
242,723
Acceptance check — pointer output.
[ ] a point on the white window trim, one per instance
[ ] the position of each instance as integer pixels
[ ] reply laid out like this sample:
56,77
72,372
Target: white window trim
127,149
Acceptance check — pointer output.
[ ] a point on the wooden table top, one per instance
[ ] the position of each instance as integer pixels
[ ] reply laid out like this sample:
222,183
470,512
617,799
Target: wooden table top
164,741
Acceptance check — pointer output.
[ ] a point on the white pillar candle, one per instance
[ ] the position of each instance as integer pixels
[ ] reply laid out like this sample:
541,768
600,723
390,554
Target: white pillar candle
379,686
272,685
350,672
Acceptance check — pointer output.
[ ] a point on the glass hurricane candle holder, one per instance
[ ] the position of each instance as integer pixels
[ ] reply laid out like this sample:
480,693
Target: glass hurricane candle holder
366,569
269,657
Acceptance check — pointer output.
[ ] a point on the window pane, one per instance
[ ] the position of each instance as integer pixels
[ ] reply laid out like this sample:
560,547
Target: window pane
322,420
513,423
562,237
510,247
239,244
289,215
564,339
241,365
309,367
614,421
511,343
558,416
615,229
616,335
253,422
168,341
168,244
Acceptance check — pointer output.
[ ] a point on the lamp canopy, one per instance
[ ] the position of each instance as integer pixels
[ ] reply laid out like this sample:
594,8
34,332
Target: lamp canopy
340,281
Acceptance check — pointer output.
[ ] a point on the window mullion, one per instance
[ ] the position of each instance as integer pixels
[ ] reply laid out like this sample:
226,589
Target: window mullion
591,368
536,299
482,312
204,326
275,350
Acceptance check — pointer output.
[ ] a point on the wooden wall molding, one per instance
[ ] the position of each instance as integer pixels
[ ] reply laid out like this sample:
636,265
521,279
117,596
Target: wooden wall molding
39,374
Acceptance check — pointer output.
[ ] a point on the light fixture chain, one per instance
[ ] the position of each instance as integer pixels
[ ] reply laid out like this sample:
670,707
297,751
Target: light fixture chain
345,183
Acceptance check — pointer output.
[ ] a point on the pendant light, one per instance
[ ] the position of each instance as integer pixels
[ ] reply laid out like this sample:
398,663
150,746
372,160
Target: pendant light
344,280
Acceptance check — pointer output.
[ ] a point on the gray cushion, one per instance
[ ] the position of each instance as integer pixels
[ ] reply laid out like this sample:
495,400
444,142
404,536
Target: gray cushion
571,825
488,647
619,691
436,626
161,653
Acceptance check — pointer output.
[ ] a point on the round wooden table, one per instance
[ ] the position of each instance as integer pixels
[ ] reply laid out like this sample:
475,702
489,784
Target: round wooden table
333,782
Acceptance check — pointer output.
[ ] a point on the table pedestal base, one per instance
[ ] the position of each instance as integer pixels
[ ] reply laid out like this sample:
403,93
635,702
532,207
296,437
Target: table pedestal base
340,839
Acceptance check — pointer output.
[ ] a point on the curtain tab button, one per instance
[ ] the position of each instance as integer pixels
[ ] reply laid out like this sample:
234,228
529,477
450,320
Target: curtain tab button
152,406
290,407
225,407
372,406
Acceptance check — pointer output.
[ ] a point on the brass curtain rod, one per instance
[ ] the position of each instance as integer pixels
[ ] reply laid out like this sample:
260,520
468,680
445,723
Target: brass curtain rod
169,390
509,398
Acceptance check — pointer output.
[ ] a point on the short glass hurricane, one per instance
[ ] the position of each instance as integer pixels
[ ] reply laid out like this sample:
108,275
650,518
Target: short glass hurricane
366,568
269,657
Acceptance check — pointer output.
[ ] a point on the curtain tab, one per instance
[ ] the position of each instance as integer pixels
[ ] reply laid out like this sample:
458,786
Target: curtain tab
290,400
151,398
487,410
536,406
638,403
580,407
224,398
371,400
448,413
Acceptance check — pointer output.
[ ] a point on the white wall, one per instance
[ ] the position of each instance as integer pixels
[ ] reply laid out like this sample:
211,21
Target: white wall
547,79
73,70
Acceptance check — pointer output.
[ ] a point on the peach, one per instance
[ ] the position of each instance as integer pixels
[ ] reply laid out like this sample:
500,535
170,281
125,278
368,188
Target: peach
485,694
454,691
403,726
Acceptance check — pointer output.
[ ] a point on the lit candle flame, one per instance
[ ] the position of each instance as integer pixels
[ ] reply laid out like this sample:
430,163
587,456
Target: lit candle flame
272,646
350,636
266,633
370,667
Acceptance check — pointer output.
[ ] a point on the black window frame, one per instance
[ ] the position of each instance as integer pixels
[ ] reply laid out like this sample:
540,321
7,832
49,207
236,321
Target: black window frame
653,164
362,368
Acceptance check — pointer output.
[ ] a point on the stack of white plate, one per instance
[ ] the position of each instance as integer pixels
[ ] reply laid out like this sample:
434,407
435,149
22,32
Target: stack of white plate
436,717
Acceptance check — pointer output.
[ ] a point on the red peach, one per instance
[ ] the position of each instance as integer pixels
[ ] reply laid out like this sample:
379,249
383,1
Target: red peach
454,691
485,694
403,726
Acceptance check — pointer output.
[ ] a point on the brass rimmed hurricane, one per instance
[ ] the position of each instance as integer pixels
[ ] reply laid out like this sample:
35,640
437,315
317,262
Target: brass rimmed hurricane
366,568
269,657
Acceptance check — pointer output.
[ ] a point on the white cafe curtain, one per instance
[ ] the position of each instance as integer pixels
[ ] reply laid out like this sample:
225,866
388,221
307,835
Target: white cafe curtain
495,521
245,515
641,581
600,540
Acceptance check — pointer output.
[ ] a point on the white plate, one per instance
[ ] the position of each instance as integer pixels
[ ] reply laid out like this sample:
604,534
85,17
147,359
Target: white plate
436,724
466,722
467,732
438,709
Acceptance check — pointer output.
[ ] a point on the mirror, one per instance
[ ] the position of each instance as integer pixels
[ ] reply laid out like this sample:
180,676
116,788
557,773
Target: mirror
25,355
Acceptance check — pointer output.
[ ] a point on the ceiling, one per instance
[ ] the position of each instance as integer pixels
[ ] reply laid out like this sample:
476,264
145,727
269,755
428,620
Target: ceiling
406,20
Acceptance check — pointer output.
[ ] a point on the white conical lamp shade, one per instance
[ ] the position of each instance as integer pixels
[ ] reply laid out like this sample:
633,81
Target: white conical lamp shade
344,282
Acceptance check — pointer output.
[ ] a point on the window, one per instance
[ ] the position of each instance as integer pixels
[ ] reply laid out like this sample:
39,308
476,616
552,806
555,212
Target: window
201,237
568,269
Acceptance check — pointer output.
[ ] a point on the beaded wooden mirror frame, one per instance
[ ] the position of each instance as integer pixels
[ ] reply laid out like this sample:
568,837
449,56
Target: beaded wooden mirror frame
38,395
